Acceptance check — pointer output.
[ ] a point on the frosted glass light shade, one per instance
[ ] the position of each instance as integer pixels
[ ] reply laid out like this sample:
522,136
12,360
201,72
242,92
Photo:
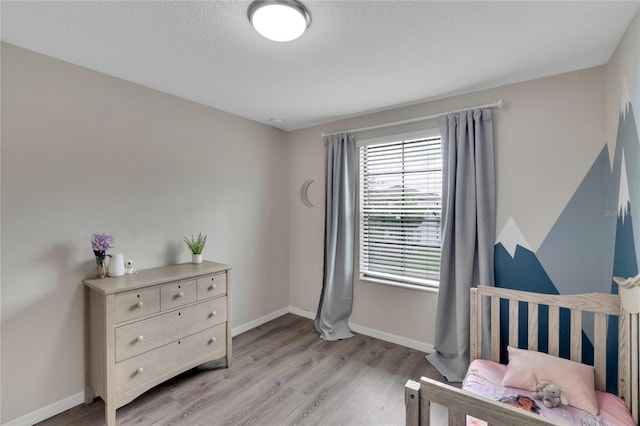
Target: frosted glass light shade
279,20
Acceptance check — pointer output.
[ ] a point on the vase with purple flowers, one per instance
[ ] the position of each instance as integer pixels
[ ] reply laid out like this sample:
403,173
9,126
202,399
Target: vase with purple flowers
100,243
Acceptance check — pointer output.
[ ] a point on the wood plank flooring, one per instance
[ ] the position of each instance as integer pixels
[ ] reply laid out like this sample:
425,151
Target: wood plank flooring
282,374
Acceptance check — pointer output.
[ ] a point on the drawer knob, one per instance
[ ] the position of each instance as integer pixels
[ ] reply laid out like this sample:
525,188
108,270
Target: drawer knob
213,313
139,305
213,340
181,294
139,339
212,287
140,370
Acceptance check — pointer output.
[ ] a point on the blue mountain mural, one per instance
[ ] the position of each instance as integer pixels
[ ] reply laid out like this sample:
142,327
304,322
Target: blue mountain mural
524,272
572,252
592,240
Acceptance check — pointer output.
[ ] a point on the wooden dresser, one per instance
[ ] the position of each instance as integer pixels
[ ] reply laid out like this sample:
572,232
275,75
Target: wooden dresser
145,328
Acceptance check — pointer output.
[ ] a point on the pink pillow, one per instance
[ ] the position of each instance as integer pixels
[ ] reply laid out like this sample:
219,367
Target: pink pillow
576,381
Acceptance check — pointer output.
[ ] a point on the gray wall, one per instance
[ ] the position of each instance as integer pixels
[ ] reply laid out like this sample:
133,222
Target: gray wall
83,152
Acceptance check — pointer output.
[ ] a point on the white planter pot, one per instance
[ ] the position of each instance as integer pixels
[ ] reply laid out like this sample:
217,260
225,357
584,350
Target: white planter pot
196,258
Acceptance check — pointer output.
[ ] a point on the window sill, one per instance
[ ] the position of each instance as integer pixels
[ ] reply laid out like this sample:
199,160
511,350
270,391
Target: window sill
425,289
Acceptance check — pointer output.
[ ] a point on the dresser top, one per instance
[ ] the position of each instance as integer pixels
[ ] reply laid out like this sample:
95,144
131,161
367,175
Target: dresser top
147,277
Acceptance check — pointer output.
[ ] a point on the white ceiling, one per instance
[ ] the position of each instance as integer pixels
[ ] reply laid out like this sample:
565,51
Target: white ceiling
356,57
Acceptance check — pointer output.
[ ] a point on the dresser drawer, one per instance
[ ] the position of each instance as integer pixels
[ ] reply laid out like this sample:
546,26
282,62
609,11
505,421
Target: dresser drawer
177,294
165,360
212,286
137,304
134,339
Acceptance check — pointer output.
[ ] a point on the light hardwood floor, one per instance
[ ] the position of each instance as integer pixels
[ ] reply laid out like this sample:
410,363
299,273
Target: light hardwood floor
282,374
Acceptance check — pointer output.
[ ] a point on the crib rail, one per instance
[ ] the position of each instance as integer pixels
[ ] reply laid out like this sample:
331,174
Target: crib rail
458,404
485,303
601,305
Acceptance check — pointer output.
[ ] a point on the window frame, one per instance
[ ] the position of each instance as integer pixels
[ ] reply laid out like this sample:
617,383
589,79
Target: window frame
431,286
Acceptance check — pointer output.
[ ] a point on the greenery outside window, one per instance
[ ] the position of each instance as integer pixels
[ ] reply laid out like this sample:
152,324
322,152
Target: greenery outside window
400,210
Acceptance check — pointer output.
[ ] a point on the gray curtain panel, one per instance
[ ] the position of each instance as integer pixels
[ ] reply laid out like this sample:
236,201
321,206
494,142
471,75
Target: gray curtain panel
336,299
468,232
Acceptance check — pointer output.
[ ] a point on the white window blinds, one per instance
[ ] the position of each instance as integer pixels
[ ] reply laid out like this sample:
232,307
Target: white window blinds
400,206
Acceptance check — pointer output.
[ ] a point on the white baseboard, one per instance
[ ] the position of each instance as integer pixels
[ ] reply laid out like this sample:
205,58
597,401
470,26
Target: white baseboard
377,334
258,321
49,411
392,338
77,399
302,313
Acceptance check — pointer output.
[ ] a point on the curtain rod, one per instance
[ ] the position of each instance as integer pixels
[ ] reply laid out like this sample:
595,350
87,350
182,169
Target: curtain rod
498,104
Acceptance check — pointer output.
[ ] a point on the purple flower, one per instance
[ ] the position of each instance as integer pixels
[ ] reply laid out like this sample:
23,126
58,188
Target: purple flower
101,242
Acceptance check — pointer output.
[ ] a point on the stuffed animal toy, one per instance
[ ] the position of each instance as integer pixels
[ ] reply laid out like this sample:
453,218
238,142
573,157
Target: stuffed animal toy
549,394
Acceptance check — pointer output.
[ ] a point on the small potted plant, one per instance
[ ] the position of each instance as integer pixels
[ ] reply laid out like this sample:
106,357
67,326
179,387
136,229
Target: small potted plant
196,245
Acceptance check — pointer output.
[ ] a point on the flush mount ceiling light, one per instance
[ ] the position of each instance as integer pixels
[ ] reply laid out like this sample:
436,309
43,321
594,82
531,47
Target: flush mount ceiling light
279,20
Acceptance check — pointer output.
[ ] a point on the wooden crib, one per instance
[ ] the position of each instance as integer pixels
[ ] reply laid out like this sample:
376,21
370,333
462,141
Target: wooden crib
420,395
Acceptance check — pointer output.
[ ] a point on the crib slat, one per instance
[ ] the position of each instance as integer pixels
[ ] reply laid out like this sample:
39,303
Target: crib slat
482,306
495,329
457,418
600,355
576,335
425,411
624,342
513,323
554,330
533,327
474,326
634,366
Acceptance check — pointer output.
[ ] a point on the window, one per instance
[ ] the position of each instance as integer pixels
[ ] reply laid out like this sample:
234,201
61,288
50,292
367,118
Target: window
400,211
